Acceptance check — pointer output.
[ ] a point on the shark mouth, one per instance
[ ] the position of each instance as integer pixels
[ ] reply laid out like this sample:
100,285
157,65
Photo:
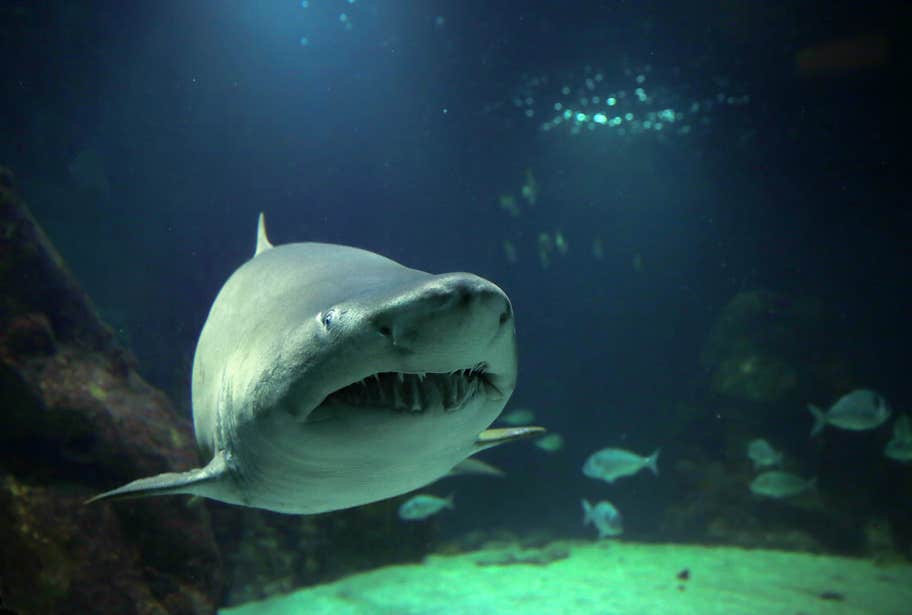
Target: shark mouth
414,392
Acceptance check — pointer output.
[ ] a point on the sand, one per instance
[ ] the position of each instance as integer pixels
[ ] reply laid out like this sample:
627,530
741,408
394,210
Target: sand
613,578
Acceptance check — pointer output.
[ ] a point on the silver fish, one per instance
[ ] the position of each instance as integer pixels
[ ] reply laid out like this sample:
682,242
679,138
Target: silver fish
476,467
609,464
778,484
856,411
899,448
763,454
604,516
520,416
551,443
422,506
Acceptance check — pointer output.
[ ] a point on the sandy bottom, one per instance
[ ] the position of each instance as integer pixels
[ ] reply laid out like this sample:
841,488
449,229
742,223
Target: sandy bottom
614,578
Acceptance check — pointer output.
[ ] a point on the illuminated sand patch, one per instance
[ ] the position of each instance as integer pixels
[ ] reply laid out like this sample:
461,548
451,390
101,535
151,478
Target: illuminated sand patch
615,578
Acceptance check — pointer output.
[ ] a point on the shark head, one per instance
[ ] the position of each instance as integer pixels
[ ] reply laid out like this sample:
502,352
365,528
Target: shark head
433,344
328,376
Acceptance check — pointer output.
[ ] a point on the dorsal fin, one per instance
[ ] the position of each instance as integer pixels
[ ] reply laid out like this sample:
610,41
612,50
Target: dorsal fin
262,240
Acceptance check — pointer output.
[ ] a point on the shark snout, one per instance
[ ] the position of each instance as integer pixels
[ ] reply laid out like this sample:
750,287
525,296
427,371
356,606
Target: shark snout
452,315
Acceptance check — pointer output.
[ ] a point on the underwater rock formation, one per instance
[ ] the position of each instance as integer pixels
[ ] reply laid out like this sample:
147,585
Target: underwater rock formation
766,346
267,553
76,417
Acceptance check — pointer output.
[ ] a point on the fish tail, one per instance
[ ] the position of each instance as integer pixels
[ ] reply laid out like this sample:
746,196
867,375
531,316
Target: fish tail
652,462
587,511
819,419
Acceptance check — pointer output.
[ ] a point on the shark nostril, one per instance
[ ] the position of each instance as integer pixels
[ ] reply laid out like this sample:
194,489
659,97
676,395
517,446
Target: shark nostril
506,314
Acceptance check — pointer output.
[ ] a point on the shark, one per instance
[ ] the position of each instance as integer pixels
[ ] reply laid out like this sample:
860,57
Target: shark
328,376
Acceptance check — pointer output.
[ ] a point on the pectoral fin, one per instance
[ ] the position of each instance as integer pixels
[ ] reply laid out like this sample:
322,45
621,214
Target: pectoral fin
198,481
493,437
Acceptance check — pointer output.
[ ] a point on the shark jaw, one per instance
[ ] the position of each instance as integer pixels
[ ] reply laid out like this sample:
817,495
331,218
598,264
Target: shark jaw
413,392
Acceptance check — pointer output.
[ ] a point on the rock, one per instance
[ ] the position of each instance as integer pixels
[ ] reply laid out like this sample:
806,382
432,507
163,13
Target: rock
768,346
78,419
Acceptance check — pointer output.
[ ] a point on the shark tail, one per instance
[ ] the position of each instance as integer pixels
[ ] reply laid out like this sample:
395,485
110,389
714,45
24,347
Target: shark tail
819,419
652,462
192,481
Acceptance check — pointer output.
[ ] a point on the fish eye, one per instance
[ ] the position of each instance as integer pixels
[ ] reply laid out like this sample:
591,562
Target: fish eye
327,318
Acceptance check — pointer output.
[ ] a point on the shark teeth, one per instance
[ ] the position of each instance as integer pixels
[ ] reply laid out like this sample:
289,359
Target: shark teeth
413,392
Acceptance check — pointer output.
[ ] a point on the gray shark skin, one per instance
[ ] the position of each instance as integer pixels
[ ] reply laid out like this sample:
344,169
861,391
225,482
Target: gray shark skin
326,377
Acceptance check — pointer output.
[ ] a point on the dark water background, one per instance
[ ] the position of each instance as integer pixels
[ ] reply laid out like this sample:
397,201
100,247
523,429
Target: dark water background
399,135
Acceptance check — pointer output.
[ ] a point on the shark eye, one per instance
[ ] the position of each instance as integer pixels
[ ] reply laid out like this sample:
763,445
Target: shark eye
327,318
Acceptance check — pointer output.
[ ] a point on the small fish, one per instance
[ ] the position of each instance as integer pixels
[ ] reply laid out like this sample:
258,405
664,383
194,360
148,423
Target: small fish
508,204
422,506
604,516
470,465
530,188
780,484
610,464
560,242
545,248
551,443
857,411
763,454
510,251
520,416
899,448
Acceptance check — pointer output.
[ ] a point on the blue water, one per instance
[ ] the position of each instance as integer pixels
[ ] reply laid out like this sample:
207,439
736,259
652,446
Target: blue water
398,126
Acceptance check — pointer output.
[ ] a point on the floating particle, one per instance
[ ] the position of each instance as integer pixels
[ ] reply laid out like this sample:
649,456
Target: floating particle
579,100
